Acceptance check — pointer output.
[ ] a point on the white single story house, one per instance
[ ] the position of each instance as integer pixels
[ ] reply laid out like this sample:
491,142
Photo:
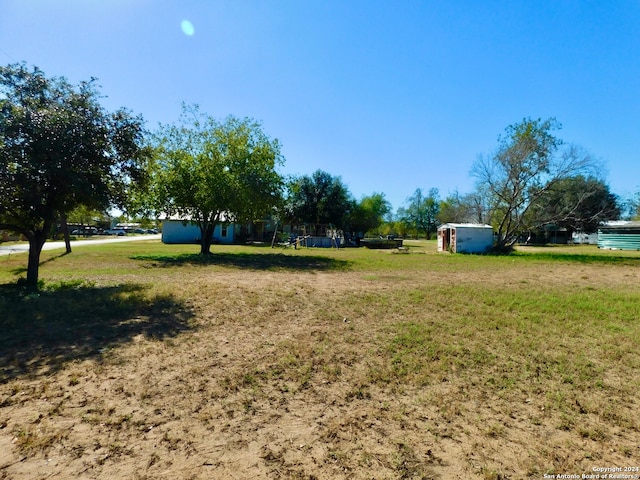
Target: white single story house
177,231
465,237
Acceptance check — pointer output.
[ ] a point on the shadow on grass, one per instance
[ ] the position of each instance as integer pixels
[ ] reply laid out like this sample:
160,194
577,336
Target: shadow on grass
251,261
40,332
23,269
578,257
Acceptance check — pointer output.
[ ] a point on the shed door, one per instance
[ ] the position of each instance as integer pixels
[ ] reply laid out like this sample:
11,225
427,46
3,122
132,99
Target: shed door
442,240
447,240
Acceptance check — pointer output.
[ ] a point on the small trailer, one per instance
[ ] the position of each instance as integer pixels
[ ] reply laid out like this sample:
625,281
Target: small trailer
465,237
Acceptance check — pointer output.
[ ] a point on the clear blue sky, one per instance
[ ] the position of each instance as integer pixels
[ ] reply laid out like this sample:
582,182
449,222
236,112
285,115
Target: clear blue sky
389,95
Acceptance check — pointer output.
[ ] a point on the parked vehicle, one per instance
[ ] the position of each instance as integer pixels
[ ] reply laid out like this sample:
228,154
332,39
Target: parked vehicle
85,231
116,231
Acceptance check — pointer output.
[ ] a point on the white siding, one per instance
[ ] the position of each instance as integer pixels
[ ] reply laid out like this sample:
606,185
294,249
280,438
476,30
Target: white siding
473,240
465,238
174,231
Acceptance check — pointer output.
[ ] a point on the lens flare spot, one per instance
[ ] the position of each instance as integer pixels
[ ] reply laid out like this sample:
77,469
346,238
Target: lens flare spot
187,28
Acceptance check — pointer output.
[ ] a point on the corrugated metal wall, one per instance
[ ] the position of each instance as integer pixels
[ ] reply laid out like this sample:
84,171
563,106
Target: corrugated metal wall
619,238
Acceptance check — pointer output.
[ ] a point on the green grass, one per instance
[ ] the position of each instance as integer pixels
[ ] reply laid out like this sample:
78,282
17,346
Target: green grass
525,333
582,255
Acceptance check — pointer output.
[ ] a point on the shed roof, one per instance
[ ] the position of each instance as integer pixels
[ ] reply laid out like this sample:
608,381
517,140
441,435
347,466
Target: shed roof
620,226
464,225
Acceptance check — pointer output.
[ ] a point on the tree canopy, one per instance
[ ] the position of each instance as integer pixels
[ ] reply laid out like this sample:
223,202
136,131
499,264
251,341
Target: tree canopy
421,211
368,214
469,208
210,172
317,200
527,164
578,204
60,149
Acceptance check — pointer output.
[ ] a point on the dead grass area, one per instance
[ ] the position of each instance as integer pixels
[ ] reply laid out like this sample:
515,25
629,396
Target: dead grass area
364,365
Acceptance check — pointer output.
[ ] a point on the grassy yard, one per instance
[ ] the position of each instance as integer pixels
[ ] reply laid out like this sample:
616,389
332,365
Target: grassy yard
146,361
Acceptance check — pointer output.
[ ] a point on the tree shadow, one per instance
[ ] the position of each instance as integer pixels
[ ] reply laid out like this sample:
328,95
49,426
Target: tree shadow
41,331
579,258
23,269
251,261
54,258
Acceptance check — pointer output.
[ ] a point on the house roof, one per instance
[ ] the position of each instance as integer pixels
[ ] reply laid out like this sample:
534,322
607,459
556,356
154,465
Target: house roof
187,218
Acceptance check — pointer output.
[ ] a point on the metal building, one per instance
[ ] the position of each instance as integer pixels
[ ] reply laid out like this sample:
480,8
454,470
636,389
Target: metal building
619,235
465,237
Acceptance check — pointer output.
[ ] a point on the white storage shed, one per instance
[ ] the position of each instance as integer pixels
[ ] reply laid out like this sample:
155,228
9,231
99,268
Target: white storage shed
465,237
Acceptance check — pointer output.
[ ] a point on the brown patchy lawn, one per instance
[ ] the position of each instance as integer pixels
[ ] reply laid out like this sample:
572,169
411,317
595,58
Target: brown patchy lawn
143,361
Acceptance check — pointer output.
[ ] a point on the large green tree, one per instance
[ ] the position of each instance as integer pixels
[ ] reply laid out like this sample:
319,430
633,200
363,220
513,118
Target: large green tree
317,200
578,204
60,149
369,213
527,164
421,211
210,172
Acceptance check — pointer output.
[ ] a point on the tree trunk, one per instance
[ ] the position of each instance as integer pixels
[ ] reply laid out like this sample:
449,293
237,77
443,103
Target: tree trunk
206,234
36,242
65,231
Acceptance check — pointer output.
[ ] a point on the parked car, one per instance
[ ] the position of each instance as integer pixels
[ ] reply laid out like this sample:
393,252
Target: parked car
85,231
116,231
